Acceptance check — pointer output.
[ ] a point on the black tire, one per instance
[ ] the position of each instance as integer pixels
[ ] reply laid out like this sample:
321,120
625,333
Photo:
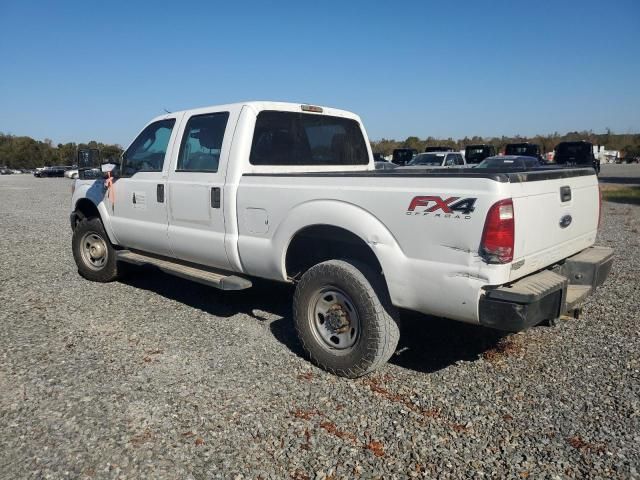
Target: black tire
366,294
92,231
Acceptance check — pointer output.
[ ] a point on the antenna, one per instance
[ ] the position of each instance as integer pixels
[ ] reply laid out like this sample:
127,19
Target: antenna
166,110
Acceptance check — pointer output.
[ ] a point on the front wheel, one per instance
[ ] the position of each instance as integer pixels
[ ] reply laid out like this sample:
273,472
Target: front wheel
93,252
344,318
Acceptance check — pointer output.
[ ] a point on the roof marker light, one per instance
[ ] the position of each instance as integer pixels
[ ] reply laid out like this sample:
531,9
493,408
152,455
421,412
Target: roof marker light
311,108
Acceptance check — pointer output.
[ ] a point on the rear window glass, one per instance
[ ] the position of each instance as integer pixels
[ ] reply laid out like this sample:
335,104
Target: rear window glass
400,155
520,150
290,138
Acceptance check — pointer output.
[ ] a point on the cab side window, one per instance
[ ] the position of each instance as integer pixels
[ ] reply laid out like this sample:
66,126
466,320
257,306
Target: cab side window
147,152
450,161
201,143
459,159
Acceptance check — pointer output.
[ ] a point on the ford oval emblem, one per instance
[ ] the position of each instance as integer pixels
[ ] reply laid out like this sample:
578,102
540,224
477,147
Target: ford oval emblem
565,221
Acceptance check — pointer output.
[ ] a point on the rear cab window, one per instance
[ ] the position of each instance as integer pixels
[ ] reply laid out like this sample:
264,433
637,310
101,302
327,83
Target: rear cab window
307,139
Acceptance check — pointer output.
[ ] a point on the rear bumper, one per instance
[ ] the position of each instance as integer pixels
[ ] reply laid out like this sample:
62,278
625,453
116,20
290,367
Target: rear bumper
547,294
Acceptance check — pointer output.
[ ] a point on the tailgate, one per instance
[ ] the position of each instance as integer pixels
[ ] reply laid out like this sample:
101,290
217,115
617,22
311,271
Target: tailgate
554,219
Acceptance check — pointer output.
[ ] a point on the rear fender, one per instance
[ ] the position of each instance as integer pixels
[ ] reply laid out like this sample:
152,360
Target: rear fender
348,217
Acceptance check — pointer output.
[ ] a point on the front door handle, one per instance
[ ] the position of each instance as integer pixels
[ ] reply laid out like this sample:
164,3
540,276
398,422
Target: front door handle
160,193
215,197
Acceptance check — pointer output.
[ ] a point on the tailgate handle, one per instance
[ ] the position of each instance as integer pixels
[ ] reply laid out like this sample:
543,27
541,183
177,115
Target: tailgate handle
565,193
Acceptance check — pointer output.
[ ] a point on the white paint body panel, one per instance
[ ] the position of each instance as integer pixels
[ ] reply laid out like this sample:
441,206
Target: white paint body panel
430,262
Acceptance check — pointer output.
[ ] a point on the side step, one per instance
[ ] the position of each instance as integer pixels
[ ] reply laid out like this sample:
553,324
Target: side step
199,274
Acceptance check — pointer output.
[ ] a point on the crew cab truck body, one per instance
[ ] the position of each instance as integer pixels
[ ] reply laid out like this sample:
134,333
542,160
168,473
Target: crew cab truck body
289,192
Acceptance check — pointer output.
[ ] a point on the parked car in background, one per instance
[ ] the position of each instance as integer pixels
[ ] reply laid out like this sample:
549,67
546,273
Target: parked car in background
402,156
578,154
524,149
477,153
438,148
54,171
384,165
71,173
6,171
437,159
510,161
629,160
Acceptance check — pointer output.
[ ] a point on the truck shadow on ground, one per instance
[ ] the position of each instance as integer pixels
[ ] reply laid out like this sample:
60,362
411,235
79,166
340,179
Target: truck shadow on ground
427,344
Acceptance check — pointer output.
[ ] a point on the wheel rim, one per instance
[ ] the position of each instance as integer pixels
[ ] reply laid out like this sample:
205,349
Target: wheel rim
334,320
94,251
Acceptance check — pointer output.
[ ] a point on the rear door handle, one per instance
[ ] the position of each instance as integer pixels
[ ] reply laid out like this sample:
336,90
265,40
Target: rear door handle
160,193
215,197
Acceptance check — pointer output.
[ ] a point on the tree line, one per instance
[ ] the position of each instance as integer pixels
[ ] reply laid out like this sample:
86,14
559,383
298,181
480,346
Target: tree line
25,152
628,144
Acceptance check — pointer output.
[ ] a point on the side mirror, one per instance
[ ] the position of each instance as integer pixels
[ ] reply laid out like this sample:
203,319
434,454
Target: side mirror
110,167
88,161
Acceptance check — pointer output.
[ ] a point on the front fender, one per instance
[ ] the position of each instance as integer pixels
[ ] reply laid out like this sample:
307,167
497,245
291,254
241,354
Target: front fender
94,191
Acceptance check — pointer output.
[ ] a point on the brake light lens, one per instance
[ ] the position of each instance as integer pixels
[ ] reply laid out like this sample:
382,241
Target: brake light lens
498,235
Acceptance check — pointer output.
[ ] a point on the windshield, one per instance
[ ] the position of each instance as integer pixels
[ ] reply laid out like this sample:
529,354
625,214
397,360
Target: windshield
431,159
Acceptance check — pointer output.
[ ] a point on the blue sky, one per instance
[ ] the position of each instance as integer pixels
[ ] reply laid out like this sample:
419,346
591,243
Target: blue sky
76,71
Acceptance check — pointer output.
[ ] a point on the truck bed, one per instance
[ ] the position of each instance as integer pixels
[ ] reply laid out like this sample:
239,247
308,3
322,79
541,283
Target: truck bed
435,250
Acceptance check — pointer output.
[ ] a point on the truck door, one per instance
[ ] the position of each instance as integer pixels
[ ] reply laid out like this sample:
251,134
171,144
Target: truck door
195,189
138,201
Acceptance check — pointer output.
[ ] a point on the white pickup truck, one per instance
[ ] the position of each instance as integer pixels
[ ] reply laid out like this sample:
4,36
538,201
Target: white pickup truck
289,192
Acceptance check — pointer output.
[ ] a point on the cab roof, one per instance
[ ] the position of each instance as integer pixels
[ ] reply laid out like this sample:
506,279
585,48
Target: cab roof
260,105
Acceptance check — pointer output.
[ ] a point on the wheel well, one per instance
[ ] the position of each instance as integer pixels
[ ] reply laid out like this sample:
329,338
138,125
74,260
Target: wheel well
85,209
319,243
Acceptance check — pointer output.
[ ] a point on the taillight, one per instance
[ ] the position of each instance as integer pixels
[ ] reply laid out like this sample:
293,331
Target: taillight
499,233
599,206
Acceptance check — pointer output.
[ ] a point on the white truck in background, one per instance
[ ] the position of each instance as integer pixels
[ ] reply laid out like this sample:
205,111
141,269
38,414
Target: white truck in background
288,192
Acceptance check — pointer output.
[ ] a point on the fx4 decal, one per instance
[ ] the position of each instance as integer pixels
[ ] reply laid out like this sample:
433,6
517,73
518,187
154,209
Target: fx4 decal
451,207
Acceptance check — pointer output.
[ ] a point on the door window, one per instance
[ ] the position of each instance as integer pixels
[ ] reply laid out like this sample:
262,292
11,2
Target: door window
450,161
201,143
147,152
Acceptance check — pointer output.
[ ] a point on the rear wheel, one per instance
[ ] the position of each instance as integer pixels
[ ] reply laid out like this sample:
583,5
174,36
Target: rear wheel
93,252
344,318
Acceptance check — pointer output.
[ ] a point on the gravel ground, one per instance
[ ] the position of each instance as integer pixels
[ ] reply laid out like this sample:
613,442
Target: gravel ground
156,377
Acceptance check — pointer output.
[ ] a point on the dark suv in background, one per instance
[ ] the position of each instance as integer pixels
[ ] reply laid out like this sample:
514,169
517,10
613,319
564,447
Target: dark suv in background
524,149
576,154
402,156
55,171
476,153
